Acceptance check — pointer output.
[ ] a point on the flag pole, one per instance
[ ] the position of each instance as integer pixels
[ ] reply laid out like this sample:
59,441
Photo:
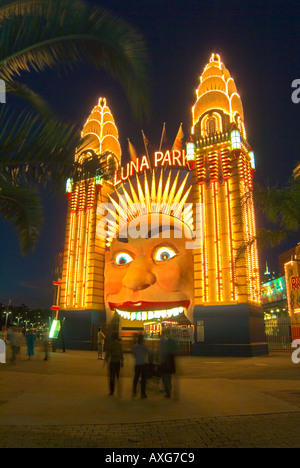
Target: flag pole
162,135
144,140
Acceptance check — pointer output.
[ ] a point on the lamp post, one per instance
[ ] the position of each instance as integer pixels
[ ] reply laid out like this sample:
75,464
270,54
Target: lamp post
18,317
26,325
7,313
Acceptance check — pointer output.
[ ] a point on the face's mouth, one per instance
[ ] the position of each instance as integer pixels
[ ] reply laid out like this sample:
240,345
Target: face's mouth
140,306
143,310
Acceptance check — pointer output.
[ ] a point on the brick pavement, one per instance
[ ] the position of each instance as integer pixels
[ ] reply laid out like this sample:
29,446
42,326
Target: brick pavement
239,403
252,431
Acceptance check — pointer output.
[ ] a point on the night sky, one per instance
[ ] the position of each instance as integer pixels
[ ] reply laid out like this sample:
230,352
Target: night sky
259,43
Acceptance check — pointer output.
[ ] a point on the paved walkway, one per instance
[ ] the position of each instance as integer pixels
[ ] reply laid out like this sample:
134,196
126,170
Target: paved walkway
222,402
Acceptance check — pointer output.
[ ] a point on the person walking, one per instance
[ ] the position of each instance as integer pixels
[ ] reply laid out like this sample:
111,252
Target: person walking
140,353
45,341
168,351
16,343
30,339
114,358
100,343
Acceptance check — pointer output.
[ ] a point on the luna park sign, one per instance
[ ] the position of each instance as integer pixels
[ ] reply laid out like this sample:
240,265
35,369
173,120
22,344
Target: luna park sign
175,158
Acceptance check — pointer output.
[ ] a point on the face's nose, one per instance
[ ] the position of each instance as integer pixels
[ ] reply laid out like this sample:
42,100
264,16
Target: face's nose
139,275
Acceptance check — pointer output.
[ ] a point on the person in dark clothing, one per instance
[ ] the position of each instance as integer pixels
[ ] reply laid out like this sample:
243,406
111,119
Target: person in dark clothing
140,352
30,339
114,358
168,351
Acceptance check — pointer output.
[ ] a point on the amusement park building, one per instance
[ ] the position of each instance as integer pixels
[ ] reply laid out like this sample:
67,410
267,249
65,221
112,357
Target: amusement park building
209,291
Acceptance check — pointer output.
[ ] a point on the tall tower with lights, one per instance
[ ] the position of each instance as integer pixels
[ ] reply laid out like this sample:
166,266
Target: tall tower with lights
82,285
227,311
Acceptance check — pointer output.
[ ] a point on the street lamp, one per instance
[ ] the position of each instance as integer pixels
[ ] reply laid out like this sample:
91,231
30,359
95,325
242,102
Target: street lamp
18,317
7,313
26,325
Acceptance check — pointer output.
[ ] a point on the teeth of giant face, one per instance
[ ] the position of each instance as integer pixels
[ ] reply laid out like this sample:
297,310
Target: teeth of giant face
151,314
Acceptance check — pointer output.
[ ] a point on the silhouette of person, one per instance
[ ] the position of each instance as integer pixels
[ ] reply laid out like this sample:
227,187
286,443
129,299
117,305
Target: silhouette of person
114,358
168,351
140,352
100,343
30,339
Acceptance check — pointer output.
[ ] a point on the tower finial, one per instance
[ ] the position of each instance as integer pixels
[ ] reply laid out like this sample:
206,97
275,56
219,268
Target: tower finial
215,58
102,102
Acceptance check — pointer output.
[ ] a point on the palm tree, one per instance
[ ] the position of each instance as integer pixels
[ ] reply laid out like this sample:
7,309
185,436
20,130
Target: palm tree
40,34
280,207
33,154
36,148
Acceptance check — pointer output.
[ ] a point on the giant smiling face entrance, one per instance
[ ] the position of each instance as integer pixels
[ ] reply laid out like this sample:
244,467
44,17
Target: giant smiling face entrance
149,267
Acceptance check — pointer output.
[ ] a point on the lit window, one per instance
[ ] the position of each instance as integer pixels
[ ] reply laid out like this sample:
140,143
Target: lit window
69,185
252,159
235,139
98,180
211,126
190,151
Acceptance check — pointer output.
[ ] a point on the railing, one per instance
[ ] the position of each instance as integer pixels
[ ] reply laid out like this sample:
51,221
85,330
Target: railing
281,334
218,138
213,139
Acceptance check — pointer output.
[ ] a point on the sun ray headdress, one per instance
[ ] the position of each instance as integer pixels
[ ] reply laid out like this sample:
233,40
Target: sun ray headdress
169,199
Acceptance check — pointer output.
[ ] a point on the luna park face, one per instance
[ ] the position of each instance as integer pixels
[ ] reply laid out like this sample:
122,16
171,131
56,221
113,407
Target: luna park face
150,273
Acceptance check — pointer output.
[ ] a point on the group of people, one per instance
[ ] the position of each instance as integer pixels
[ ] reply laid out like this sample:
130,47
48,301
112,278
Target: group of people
15,338
143,369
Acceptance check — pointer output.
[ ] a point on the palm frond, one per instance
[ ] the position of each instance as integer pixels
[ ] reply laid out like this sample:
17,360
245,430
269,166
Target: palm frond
22,207
281,206
265,238
35,151
18,7
37,102
66,32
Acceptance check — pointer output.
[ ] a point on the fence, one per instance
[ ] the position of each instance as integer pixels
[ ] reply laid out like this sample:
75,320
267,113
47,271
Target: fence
281,334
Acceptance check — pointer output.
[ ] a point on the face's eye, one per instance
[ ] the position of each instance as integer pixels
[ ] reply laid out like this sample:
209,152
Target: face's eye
122,258
163,253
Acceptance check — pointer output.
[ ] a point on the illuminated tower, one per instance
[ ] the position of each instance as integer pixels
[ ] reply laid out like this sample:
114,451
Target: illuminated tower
227,312
81,295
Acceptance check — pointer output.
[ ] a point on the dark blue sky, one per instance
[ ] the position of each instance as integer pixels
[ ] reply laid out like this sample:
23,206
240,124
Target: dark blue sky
259,43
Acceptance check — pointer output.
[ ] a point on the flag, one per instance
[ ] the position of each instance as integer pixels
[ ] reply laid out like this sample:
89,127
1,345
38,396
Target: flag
178,140
146,142
164,138
132,151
